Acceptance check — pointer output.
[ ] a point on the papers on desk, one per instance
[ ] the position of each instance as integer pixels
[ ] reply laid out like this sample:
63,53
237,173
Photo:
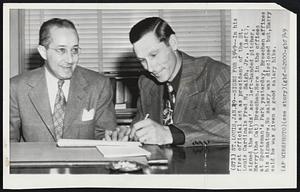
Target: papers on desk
108,149
122,151
93,143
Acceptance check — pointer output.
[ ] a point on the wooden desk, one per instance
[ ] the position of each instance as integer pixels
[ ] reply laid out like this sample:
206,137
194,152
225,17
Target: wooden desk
45,158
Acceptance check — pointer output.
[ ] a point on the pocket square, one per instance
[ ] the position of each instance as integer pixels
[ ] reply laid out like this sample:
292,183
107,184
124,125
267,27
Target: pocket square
88,115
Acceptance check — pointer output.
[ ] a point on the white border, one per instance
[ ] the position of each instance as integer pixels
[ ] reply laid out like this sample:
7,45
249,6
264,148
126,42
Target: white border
143,6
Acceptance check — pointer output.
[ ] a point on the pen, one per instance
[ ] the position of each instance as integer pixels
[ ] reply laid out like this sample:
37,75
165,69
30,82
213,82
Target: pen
147,116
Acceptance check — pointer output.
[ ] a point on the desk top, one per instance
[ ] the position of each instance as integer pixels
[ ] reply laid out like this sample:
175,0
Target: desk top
42,152
36,157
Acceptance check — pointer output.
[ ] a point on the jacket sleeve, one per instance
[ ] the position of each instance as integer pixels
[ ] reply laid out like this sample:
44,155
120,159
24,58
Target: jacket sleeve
216,129
105,112
14,115
140,111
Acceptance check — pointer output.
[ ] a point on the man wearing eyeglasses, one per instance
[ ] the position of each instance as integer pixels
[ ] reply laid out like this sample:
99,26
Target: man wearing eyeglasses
60,99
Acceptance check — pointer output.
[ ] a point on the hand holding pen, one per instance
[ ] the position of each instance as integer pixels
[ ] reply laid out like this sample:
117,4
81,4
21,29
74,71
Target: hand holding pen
132,136
145,131
148,131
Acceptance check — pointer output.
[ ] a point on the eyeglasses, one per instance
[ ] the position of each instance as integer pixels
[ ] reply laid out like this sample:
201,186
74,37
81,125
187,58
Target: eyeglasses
62,51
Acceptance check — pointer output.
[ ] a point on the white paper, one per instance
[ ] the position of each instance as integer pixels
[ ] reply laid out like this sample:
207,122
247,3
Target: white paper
93,143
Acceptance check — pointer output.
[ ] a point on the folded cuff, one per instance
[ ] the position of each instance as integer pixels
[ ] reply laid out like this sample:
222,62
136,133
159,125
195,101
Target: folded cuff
177,134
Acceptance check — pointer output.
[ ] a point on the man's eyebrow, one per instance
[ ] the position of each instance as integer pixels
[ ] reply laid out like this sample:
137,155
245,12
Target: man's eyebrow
67,46
153,51
61,46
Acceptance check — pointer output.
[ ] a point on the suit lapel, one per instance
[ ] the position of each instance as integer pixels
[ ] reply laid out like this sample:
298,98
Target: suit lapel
76,99
154,103
188,85
157,94
39,97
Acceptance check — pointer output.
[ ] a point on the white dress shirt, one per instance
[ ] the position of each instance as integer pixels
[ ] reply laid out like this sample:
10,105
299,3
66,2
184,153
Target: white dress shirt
53,88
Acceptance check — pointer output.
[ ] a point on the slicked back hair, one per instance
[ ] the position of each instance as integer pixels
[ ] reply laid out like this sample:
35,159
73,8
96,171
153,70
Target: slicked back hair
44,34
161,29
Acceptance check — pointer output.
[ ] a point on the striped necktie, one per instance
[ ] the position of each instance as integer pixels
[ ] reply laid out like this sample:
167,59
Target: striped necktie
59,111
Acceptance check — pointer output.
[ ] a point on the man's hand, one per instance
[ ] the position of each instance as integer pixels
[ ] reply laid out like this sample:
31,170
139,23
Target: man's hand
149,132
121,133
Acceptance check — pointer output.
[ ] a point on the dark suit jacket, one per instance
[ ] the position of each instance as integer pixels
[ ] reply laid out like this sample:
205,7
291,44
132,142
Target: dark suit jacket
30,112
202,109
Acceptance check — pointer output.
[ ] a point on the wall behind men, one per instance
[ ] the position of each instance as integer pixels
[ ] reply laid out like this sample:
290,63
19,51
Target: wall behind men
104,35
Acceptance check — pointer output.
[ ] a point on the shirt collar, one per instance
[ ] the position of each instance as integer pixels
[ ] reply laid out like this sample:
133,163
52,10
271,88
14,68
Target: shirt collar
52,78
52,83
49,76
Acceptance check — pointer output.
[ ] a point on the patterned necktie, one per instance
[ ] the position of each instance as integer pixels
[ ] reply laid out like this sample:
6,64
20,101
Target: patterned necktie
169,105
59,111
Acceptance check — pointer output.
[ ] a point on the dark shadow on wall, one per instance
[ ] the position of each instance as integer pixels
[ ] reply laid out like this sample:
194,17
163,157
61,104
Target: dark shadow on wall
128,70
128,63
34,61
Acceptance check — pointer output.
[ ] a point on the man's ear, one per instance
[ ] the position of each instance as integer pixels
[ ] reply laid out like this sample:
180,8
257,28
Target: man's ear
173,42
42,51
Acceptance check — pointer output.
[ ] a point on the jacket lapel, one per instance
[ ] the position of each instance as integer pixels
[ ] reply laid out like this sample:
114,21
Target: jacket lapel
188,85
39,97
154,103
76,98
157,94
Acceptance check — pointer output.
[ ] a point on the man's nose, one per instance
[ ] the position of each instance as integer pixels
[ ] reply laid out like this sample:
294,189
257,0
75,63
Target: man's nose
150,66
69,57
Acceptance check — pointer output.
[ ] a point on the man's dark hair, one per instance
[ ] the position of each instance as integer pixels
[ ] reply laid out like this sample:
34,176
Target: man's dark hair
161,29
44,35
